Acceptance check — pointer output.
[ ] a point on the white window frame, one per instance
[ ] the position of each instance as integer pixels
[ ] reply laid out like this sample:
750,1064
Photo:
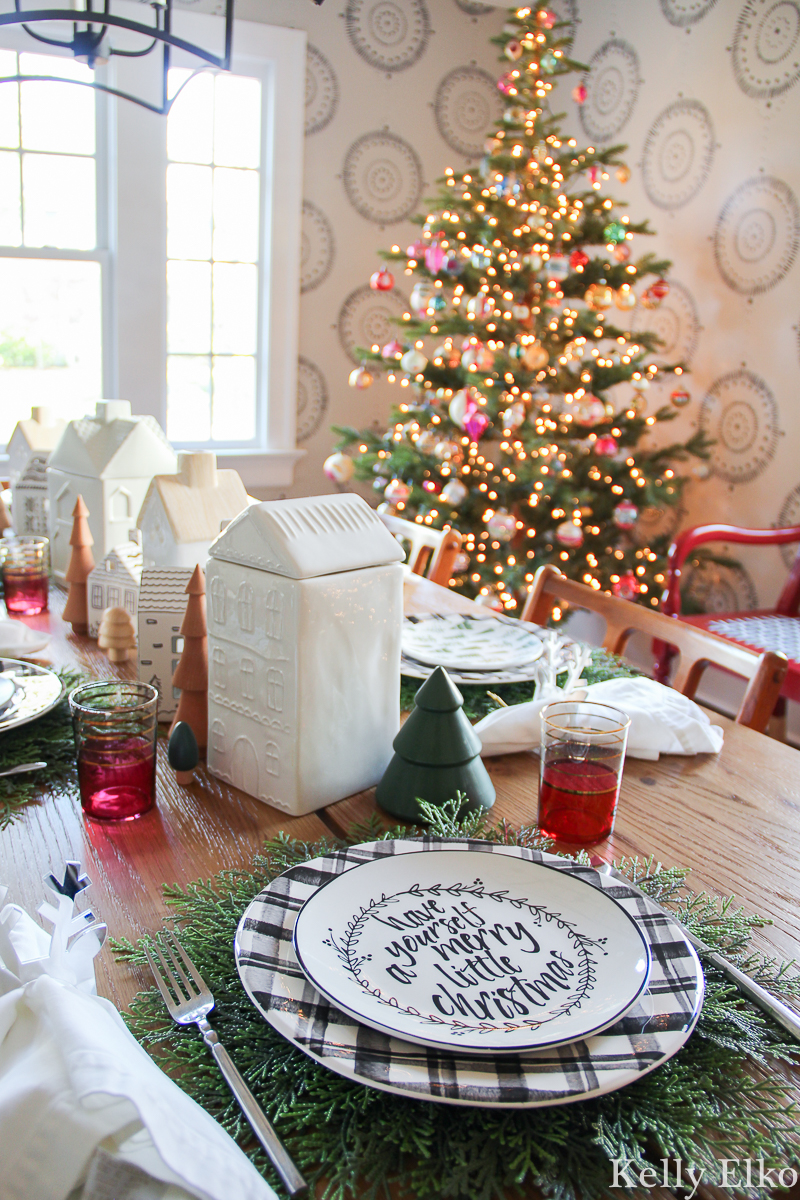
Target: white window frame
131,204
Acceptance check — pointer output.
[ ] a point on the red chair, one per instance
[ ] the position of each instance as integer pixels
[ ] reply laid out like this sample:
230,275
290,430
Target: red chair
776,629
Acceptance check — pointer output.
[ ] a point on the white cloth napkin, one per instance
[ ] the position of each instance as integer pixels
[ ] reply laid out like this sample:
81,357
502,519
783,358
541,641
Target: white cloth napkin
663,721
76,1088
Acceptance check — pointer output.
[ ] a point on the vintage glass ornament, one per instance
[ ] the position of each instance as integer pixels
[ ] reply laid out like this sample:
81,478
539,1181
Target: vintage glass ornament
501,526
420,295
638,403
578,259
660,289
461,563
480,305
413,362
622,252
614,233
434,258
513,50
507,84
381,281
476,424
594,174
360,378
599,297
339,467
701,470
680,397
437,302
606,446
427,441
453,264
623,174
579,94
569,534
454,492
626,587
449,354
642,384
431,486
648,300
575,349
625,298
417,250
459,407
548,62
447,451
626,514
397,492
514,415
557,267
588,410
520,312
546,18
393,350
534,356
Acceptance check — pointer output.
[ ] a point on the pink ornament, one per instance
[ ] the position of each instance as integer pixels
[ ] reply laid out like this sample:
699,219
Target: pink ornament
476,425
579,94
569,534
434,258
416,250
626,587
507,85
430,485
546,18
622,252
393,349
594,174
606,446
339,467
513,50
381,281
397,492
626,514
659,289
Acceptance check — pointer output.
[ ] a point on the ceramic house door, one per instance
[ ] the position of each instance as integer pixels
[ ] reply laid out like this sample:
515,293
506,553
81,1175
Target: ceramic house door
244,766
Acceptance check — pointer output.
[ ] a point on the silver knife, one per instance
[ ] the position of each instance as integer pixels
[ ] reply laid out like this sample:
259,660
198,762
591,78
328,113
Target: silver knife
754,991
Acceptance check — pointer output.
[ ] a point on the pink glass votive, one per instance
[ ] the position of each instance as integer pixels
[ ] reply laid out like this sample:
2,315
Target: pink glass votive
115,727
25,566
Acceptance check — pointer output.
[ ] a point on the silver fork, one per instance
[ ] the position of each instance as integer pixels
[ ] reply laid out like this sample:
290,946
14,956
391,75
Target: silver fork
189,1001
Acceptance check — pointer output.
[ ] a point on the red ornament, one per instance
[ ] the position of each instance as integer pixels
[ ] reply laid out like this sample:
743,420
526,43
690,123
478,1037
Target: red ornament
476,425
626,587
381,281
430,485
659,289
625,514
393,349
578,259
606,446
546,18
680,397
579,94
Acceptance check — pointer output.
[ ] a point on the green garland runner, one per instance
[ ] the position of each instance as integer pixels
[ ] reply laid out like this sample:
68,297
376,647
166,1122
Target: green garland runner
720,1097
48,737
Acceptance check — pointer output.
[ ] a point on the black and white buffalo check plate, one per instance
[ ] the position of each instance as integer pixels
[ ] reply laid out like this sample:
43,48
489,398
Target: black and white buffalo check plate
646,1036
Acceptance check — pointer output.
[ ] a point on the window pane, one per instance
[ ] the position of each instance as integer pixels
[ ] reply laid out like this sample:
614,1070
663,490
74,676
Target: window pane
59,199
234,413
235,307
57,116
188,211
236,215
237,121
190,124
10,212
188,399
50,338
9,101
189,307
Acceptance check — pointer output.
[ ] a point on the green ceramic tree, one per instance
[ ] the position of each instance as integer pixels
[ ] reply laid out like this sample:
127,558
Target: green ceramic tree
437,755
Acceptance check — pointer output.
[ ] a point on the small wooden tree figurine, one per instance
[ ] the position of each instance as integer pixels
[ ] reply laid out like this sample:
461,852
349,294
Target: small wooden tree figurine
182,753
437,755
117,634
81,562
191,673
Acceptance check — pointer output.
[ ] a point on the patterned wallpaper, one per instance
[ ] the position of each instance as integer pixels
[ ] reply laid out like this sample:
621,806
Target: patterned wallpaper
704,93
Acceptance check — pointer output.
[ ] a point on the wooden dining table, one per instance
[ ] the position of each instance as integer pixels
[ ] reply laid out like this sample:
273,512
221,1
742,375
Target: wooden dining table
733,818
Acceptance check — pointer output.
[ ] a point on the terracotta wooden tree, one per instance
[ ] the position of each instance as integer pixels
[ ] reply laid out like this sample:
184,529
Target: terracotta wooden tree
81,562
191,673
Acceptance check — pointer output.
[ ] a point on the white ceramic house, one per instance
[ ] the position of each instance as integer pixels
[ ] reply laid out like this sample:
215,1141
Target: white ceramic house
182,514
109,459
162,604
114,583
29,498
305,606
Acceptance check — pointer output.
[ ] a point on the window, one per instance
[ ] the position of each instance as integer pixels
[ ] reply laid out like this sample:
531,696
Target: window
51,238
113,596
273,762
274,627
130,602
247,671
244,604
218,599
220,670
120,506
97,596
218,737
275,690
177,645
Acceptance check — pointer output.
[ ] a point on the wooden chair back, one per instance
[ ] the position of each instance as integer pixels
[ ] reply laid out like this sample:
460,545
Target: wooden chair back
698,649
433,551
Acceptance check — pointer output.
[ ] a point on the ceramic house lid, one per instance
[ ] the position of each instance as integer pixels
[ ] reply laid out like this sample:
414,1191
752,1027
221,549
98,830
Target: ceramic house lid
302,538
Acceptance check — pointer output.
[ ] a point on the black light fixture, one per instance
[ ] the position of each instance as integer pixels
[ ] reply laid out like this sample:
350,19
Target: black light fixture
90,41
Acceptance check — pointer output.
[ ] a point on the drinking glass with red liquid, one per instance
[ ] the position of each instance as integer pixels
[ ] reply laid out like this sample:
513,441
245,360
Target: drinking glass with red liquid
25,567
580,769
115,727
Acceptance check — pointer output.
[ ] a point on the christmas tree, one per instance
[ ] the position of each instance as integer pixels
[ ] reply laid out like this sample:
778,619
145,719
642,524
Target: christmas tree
520,326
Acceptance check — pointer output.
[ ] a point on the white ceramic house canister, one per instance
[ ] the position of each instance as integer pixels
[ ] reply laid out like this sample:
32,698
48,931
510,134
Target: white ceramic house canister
305,607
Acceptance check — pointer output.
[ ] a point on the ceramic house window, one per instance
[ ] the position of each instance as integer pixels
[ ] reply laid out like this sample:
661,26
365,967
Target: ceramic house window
218,737
244,605
97,595
177,645
218,599
246,673
113,597
220,668
64,503
271,754
274,626
120,505
275,690
130,600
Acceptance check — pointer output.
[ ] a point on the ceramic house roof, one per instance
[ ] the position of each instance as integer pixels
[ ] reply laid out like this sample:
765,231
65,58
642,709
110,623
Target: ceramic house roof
302,538
124,447
194,514
163,589
35,436
125,559
35,474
